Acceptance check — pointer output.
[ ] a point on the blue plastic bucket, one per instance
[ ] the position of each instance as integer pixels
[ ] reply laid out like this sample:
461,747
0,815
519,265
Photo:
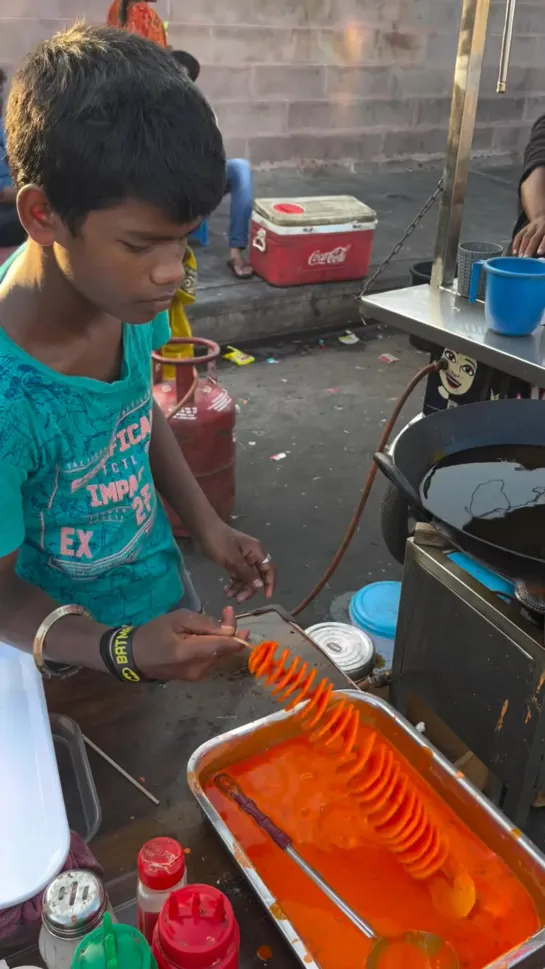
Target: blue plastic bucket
374,609
515,293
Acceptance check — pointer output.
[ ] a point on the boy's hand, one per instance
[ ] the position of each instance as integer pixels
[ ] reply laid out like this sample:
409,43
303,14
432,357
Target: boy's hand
243,557
184,645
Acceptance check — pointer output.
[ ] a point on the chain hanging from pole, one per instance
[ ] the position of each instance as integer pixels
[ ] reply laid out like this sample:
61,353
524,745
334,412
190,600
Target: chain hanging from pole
399,245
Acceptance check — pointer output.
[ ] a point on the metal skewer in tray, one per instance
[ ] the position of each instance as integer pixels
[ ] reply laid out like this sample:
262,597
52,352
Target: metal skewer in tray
430,945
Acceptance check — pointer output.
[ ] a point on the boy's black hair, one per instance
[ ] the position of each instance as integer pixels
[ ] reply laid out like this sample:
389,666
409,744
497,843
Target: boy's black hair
188,62
96,115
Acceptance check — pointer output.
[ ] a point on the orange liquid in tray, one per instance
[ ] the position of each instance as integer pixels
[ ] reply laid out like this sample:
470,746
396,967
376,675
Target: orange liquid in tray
297,786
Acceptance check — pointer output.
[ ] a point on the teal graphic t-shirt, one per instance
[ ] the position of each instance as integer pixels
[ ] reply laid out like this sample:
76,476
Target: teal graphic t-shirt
79,500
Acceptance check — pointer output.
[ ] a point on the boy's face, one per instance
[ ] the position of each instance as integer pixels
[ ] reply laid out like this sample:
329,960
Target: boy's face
125,260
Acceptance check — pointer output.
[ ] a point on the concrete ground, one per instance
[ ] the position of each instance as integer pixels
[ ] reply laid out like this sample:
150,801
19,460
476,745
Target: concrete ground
235,311
324,408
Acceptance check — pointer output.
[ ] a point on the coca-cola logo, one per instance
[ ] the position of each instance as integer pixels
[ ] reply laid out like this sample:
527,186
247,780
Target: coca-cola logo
331,258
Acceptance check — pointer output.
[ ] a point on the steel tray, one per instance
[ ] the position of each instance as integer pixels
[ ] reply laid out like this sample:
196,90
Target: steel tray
490,825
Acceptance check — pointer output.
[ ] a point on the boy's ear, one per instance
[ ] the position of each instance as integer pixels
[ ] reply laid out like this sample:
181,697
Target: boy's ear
36,215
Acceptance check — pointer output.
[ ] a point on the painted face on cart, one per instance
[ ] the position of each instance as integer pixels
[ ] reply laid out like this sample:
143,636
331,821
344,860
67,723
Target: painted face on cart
458,378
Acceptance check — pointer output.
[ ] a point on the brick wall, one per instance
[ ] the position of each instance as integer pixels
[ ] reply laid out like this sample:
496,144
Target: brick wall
328,81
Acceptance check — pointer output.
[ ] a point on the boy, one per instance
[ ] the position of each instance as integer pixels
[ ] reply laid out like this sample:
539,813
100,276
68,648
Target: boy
96,150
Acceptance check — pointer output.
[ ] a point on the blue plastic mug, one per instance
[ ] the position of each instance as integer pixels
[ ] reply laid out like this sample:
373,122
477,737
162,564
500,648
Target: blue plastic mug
515,293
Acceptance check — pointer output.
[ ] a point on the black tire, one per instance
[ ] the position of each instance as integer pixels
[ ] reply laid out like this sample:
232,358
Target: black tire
397,522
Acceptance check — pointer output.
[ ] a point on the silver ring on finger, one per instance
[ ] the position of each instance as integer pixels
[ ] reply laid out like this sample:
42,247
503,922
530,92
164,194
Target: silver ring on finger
266,561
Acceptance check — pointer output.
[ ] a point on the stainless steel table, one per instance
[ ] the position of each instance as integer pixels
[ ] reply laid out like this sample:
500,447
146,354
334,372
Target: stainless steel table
443,318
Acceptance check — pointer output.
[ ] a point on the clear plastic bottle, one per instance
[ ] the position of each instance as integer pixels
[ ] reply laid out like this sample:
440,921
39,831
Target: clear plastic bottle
161,870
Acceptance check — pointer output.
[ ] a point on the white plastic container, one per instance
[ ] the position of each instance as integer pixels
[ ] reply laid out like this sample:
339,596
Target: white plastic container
35,835
161,870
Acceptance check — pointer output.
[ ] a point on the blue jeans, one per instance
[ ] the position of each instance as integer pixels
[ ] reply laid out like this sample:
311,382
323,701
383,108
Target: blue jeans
239,187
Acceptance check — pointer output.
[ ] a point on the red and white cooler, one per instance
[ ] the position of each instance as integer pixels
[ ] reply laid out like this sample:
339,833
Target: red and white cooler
317,239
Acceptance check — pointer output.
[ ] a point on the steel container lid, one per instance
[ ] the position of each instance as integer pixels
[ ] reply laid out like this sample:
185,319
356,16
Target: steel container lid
351,649
73,904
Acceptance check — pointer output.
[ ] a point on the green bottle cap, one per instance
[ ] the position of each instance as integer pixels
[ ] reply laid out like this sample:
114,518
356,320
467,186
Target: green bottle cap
113,946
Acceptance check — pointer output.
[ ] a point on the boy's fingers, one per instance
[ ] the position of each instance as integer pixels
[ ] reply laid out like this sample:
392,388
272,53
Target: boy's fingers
228,621
206,649
246,573
234,587
269,579
185,622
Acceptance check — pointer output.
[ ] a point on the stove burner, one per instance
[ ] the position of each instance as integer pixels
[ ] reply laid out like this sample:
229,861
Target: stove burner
533,600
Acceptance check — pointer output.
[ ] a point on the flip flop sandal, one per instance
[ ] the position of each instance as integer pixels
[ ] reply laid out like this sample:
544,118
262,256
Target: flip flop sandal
242,274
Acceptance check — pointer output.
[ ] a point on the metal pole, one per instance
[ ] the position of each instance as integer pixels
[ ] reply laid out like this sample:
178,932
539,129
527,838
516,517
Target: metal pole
467,77
505,52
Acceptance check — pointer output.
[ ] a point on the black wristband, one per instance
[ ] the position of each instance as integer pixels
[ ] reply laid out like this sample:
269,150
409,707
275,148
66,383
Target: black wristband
116,652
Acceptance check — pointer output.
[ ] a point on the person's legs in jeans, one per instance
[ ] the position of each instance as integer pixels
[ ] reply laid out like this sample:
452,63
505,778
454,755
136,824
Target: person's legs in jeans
239,187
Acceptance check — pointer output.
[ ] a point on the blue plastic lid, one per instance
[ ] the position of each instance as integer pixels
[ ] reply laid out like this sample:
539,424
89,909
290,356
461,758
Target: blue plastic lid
375,607
492,581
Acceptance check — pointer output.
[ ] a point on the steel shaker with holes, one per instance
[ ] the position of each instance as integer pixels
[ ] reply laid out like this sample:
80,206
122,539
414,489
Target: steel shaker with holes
73,905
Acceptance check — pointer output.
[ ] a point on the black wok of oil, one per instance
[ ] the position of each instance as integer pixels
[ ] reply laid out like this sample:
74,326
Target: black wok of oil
495,493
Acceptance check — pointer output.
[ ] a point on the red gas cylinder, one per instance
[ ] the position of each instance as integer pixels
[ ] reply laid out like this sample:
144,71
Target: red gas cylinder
202,415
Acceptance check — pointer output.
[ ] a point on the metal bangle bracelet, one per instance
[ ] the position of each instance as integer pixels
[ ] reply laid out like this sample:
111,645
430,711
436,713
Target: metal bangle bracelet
48,670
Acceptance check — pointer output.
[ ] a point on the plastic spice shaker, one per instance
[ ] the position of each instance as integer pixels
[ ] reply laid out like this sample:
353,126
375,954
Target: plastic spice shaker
161,870
197,929
113,947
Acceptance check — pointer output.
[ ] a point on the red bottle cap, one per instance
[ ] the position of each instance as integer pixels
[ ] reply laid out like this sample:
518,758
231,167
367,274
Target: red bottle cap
161,864
197,929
